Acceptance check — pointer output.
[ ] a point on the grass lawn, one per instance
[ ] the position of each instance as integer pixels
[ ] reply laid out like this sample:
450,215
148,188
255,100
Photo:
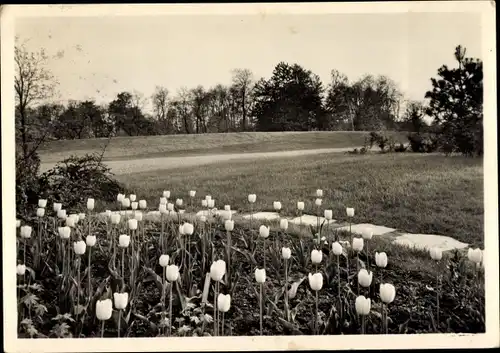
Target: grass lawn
180,145
429,194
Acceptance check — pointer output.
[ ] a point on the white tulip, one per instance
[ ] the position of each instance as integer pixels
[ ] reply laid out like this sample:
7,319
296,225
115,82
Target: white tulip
75,218
143,204
132,197
387,293
138,216
475,255
134,205
126,202
57,206
260,275
363,305
277,205
316,281
223,303
79,247
367,234
208,198
61,214
365,278
436,254
64,232
115,218
104,309
211,203
203,219
316,256
318,202
90,240
90,204
229,225
188,228
178,202
82,216
123,241
350,212
166,194
163,208
40,212
172,273
227,208
329,215
132,224
18,223
170,207
204,203
319,193
42,203
337,248
121,300
286,253
300,206
218,270
25,232
357,244
192,193
108,213
252,198
283,224
381,259
163,200
120,198
20,270
263,231
164,260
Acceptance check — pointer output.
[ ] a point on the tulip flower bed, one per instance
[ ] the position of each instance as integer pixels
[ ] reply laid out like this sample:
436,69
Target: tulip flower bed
89,275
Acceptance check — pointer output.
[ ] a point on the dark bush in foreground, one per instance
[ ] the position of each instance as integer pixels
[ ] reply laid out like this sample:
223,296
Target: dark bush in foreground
75,179
27,183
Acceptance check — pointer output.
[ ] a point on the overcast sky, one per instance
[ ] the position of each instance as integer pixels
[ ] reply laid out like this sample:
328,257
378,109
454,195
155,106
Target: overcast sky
103,56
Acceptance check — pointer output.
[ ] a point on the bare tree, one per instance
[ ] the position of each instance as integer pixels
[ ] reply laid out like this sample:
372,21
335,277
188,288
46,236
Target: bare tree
160,100
243,85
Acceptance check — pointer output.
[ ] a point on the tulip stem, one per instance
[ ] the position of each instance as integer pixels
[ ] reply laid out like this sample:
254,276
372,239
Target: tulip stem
228,249
357,268
170,311
368,254
264,253
102,328
286,291
119,321
317,314
260,309
90,274
362,324
338,280
437,301
24,259
163,296
161,233
222,327
386,320
78,288
215,309
123,266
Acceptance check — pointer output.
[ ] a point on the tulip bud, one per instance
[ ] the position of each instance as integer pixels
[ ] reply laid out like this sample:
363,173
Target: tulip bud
387,292
132,197
286,253
164,260
138,216
79,247
192,193
163,208
126,202
475,255
263,231
57,206
316,281
283,224
211,203
292,293
381,259
90,204
18,223
70,222
367,234
64,232
316,256
350,212
208,198
300,206
170,206
337,248
40,212
143,204
229,225
252,198
61,214
436,254
76,218
178,202
42,203
260,275
363,305
365,278
223,303
277,205
172,273
132,224
104,309
115,218
120,198
21,270
90,240
318,202
163,200
319,193
166,194
227,208
218,270
123,241
121,300
328,215
357,244
204,203
188,228
134,205
25,232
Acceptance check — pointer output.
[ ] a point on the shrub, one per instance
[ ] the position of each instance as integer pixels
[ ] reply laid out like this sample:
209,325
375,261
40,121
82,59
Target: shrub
27,183
75,179
400,148
425,144
381,140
